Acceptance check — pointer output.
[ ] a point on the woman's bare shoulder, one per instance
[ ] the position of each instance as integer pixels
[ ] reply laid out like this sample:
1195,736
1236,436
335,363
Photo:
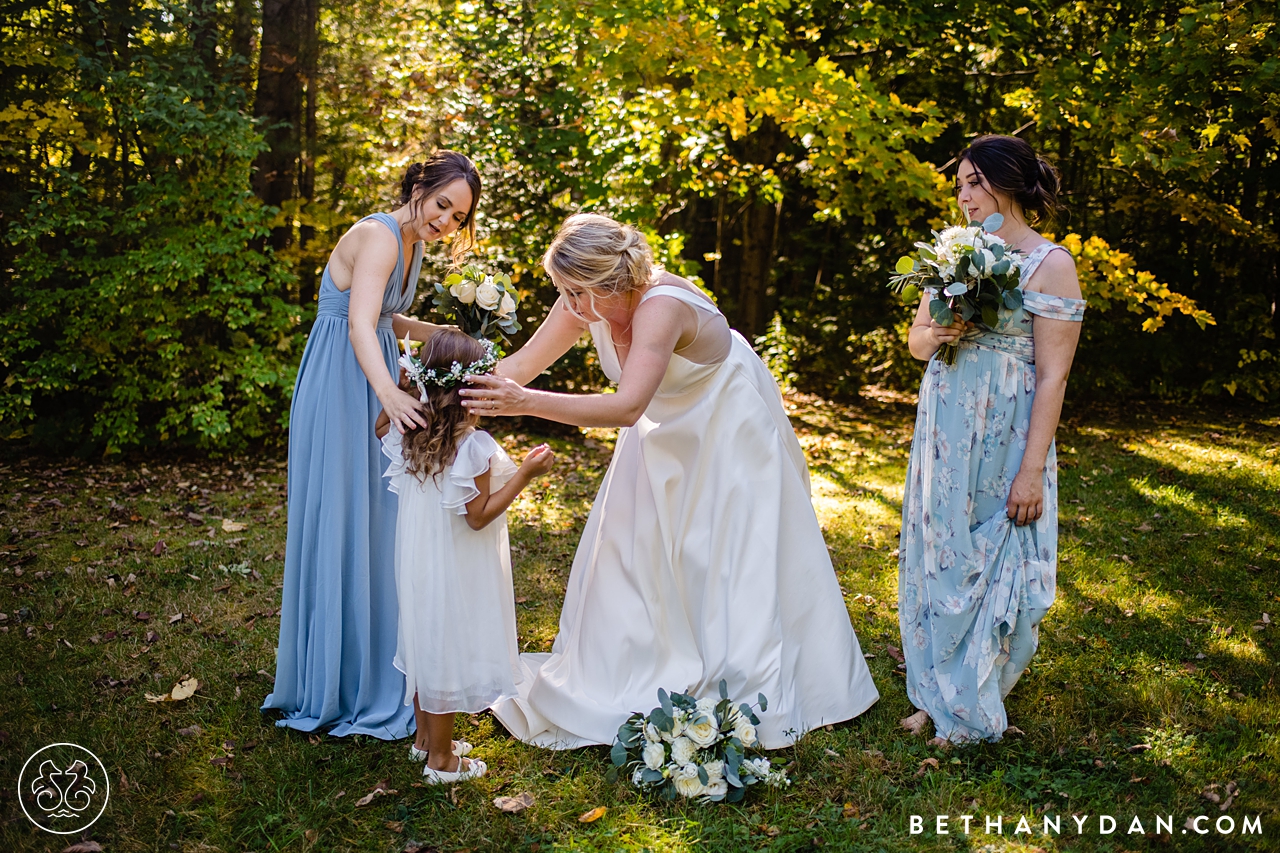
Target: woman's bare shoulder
1056,276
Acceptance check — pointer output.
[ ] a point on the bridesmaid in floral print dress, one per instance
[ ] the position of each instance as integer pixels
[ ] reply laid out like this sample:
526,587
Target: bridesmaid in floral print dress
978,558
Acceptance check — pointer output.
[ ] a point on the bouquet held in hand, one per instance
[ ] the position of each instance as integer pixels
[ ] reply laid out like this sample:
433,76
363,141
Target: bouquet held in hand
695,748
479,304
969,272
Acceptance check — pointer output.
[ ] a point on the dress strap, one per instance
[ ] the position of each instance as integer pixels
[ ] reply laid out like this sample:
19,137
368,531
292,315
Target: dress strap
1034,259
686,296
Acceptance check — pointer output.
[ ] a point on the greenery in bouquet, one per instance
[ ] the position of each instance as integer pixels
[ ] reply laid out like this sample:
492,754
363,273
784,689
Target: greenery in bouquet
699,748
479,304
970,272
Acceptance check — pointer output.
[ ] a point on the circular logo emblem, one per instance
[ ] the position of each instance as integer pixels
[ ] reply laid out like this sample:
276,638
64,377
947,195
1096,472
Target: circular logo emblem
63,788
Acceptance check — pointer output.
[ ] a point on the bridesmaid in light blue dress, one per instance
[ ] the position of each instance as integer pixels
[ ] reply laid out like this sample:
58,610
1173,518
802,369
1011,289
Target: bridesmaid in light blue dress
977,564
338,614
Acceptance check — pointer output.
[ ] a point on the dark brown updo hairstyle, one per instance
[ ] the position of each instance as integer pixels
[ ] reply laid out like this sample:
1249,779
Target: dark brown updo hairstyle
427,450
1013,168
442,168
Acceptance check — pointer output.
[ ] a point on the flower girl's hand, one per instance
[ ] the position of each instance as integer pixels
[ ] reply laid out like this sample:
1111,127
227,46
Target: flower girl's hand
538,461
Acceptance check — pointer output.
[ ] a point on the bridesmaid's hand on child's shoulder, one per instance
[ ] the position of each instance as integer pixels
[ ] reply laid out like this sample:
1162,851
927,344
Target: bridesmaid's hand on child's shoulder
538,461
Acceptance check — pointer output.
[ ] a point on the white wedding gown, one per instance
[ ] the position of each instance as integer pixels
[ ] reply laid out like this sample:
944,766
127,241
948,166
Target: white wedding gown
701,560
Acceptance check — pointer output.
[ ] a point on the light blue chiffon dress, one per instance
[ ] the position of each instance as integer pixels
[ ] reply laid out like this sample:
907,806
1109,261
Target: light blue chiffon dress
338,615
973,586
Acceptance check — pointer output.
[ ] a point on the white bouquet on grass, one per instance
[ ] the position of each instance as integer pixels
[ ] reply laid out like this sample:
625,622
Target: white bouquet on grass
695,748
970,272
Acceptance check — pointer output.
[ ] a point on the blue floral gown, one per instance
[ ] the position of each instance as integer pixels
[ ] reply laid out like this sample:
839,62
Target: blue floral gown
973,586
339,611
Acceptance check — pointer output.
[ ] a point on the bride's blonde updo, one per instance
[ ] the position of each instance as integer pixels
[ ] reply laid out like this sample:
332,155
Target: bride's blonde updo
601,256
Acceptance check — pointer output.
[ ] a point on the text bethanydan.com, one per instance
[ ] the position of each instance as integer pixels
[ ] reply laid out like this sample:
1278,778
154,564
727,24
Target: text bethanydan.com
967,824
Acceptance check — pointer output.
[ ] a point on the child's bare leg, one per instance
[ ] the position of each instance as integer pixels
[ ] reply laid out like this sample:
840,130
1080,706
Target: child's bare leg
420,716
439,729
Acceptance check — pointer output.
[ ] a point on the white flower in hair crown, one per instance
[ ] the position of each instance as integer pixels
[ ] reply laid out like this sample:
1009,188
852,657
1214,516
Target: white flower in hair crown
439,377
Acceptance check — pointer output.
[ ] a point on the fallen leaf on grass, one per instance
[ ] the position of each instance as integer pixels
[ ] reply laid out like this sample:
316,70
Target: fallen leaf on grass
311,835
593,815
83,847
229,526
1144,527
380,789
514,805
190,731
182,690
895,653
1014,730
160,548
850,811
924,765
1139,747
395,825
771,831
175,618
220,761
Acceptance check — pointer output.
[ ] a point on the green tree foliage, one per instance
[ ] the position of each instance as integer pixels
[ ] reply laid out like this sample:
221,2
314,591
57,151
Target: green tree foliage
140,308
782,153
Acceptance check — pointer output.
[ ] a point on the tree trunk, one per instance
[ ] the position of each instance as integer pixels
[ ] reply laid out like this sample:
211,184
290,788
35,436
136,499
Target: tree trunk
307,174
287,31
243,33
758,235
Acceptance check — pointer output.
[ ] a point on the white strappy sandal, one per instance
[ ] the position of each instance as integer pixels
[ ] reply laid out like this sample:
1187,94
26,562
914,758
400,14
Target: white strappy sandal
468,768
460,748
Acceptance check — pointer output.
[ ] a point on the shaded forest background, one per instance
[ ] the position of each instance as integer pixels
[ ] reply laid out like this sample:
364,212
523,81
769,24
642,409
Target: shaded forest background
174,175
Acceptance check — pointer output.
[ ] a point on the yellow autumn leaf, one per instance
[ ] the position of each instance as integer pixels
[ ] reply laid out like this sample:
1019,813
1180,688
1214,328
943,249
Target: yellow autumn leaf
229,526
182,690
593,815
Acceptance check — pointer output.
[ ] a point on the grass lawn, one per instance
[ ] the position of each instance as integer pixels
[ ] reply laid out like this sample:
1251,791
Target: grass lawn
1153,692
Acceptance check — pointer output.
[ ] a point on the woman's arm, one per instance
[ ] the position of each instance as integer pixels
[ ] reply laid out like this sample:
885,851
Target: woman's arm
1055,342
656,328
553,338
927,335
417,330
375,259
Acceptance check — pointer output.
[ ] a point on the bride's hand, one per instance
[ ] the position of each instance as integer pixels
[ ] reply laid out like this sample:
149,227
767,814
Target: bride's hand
491,395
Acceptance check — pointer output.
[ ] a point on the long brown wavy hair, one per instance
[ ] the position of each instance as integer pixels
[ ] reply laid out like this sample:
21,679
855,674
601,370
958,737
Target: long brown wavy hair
427,450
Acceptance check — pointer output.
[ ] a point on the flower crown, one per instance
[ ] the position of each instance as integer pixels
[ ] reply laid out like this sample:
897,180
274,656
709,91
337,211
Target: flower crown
438,377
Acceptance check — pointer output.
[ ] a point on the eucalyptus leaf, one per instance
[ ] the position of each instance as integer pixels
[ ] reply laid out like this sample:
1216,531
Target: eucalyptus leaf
993,223
724,689
1013,299
990,317
905,265
703,776
618,754
762,702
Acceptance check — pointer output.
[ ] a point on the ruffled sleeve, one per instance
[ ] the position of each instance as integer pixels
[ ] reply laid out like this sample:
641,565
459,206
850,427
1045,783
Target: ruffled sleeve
477,453
1053,307
393,449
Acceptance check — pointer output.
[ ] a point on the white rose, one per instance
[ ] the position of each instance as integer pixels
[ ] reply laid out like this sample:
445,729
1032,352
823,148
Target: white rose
678,721
651,733
488,295
744,730
686,781
715,771
707,706
464,292
716,788
506,306
654,755
703,732
682,750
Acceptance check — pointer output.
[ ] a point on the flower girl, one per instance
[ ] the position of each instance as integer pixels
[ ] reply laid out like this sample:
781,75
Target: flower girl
457,635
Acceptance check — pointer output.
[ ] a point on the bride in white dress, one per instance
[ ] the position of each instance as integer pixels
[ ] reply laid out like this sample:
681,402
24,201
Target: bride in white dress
702,558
